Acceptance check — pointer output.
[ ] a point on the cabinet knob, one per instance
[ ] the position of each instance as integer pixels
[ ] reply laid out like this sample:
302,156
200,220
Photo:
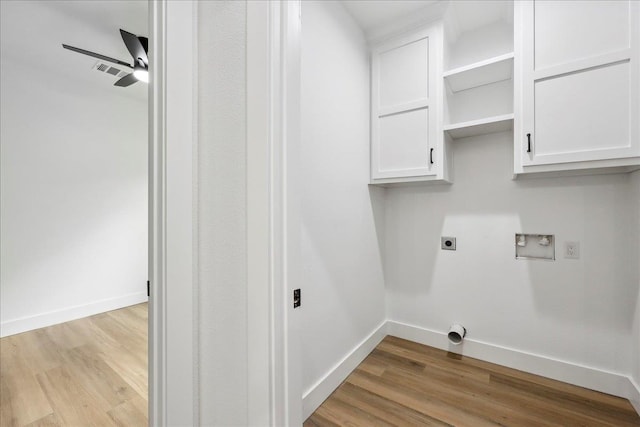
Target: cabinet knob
431,156
528,143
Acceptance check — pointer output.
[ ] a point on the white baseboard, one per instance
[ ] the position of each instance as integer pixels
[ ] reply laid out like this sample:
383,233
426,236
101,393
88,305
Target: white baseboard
607,382
319,392
24,324
634,394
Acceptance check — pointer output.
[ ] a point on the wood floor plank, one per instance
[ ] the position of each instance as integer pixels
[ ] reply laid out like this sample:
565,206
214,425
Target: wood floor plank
90,371
345,414
499,412
373,365
50,420
131,321
416,401
392,412
65,337
550,411
130,413
317,420
71,403
560,394
85,373
391,359
126,336
406,383
569,404
22,397
435,360
37,349
492,368
94,334
490,410
7,414
130,367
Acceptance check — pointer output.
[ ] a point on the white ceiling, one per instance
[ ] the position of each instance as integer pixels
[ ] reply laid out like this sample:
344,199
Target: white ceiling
379,18
32,32
371,14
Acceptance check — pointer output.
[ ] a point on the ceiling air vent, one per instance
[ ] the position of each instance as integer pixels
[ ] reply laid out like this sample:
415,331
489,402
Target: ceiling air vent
113,71
108,69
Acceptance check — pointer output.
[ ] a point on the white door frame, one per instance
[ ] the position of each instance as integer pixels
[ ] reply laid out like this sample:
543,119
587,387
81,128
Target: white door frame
288,144
273,93
283,111
172,227
273,138
260,286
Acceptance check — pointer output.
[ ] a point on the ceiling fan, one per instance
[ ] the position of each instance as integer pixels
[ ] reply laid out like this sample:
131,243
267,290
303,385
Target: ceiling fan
138,48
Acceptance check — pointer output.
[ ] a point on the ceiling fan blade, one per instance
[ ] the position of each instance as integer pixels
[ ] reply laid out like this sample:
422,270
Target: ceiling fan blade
127,80
145,43
97,55
135,47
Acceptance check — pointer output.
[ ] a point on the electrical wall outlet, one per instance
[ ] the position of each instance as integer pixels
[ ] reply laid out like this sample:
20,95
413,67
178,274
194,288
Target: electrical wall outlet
448,243
572,250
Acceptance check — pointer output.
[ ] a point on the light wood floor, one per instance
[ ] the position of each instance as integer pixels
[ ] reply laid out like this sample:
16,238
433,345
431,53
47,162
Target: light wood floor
407,384
88,372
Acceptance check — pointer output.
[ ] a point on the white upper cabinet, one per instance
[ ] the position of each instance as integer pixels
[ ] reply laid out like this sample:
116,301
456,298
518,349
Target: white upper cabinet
406,102
577,89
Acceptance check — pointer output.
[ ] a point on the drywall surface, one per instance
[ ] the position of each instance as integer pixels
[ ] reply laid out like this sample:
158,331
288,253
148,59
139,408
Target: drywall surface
578,311
340,254
635,251
73,195
221,212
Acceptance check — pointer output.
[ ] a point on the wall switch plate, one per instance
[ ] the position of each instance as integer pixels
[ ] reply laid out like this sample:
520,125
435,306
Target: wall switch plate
572,250
297,300
448,243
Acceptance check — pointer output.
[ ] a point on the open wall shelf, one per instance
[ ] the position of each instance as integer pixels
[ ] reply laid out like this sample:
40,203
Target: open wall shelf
489,71
480,127
478,74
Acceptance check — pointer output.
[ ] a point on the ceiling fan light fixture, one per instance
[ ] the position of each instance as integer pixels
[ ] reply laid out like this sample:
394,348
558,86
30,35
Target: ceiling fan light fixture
137,47
141,74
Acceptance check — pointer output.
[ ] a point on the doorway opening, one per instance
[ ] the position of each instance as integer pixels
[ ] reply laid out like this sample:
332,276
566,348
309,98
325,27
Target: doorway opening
74,200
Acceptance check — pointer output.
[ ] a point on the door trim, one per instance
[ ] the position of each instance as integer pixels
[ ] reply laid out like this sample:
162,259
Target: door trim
272,102
172,225
284,119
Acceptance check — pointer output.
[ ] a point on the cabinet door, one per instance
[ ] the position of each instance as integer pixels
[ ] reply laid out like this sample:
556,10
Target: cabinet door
580,87
403,108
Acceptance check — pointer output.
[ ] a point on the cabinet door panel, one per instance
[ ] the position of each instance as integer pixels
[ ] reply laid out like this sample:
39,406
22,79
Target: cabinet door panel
403,143
582,112
579,89
568,31
404,107
404,74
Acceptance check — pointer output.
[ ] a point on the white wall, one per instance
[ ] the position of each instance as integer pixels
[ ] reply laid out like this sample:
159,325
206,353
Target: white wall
340,253
221,212
579,311
74,197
